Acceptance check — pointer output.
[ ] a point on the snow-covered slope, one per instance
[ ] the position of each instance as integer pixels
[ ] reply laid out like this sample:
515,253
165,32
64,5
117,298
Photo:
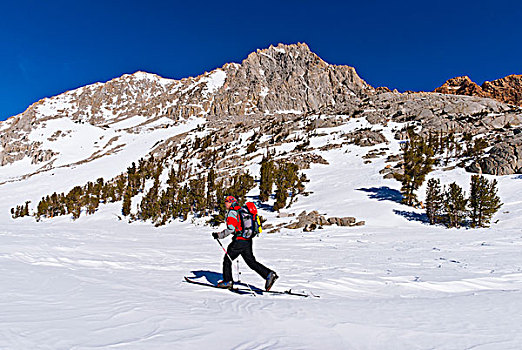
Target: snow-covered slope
395,283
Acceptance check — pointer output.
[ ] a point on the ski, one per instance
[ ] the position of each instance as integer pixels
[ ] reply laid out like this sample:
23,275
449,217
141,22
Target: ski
288,292
234,290
249,290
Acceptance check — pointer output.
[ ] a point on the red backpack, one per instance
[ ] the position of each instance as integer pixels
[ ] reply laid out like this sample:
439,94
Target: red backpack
250,221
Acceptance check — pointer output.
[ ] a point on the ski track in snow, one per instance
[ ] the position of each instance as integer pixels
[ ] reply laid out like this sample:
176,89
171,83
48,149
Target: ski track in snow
394,283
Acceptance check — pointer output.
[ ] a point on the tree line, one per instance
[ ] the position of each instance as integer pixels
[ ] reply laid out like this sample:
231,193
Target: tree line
146,196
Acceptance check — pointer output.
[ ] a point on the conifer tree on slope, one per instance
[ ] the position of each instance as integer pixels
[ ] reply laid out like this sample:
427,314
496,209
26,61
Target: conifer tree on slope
418,162
455,205
286,179
125,209
434,201
267,178
483,201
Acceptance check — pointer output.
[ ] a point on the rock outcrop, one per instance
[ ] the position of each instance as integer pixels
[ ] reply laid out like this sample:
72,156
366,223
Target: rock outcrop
504,158
461,86
313,220
366,137
287,78
507,90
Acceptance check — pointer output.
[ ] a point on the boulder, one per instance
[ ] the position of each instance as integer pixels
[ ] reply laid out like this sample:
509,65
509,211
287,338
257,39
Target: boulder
366,138
347,221
502,159
313,220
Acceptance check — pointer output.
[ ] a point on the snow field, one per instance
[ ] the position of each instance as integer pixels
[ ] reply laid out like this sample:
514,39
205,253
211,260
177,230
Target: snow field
111,284
395,283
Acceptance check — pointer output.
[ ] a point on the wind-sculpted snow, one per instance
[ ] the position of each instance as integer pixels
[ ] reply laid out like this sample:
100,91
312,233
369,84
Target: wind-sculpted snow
97,284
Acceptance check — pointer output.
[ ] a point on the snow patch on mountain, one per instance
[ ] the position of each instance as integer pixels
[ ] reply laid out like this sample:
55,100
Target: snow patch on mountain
81,145
214,81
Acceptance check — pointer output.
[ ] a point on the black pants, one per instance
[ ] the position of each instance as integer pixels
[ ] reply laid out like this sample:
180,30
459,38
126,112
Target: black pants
243,248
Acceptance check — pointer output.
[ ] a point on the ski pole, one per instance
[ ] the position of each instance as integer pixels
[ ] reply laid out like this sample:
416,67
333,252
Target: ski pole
232,262
217,239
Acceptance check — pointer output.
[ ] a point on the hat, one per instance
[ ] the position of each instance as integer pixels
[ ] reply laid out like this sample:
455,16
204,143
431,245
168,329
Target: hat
230,199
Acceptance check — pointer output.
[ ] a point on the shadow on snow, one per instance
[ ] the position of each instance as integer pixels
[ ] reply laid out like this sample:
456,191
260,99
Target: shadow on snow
214,277
259,204
211,276
383,193
413,216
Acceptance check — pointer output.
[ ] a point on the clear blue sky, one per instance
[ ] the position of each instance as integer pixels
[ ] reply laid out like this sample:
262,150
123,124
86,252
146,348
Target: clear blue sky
48,47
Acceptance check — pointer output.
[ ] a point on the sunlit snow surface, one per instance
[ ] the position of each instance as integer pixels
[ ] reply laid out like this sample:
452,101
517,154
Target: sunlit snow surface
395,283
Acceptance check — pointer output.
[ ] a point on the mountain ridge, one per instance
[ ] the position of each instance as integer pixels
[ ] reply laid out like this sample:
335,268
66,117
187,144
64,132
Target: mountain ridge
283,81
218,94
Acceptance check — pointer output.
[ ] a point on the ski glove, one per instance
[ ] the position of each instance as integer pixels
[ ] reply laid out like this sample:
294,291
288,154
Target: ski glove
215,235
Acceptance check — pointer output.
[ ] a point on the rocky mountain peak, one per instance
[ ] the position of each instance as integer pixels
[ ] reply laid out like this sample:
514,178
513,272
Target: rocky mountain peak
461,86
299,51
507,89
287,79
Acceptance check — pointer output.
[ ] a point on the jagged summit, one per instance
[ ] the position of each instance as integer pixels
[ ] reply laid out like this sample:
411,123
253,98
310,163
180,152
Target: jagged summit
507,89
288,78
461,86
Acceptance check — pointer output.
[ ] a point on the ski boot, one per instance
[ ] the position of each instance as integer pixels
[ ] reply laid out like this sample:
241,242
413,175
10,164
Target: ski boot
270,279
225,285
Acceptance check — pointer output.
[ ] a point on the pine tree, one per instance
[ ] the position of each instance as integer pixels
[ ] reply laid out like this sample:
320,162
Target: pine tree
196,195
26,208
41,209
74,202
455,205
483,201
418,162
125,209
211,186
183,202
120,187
241,185
478,147
286,179
251,148
433,142
267,178
219,217
434,201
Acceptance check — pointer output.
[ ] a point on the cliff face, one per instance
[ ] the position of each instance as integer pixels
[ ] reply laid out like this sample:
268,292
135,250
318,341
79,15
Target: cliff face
507,90
287,78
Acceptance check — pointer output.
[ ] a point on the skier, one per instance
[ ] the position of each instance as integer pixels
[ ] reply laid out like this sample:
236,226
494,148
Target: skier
239,246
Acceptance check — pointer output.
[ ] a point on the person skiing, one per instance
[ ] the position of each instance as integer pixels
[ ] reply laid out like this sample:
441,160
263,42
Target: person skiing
239,246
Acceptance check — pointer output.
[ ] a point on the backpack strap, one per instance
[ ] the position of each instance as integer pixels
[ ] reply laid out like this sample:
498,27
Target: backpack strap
233,221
